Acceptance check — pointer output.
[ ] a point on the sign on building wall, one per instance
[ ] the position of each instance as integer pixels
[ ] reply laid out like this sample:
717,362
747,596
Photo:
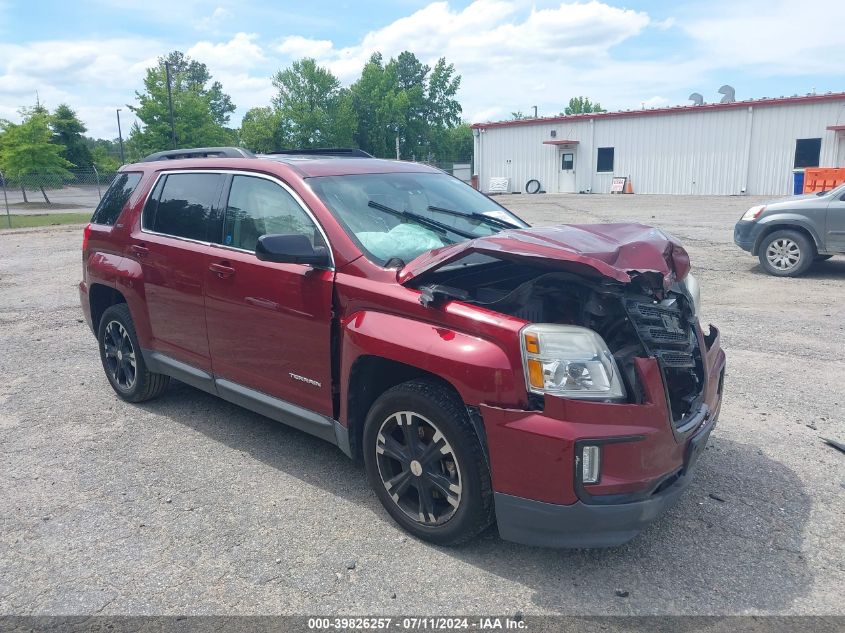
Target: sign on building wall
617,185
498,185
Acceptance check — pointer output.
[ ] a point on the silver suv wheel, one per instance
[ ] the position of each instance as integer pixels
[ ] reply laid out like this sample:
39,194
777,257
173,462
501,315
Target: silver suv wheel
783,254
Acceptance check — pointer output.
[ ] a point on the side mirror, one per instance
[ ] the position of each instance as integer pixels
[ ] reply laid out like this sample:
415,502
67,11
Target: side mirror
291,248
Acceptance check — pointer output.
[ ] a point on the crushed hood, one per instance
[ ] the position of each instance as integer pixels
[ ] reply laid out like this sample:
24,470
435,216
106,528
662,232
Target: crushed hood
618,251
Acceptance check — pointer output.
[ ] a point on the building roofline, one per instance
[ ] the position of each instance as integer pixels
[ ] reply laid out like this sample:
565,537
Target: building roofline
685,109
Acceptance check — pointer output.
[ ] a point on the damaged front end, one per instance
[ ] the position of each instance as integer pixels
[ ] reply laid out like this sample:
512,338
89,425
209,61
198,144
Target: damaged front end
627,283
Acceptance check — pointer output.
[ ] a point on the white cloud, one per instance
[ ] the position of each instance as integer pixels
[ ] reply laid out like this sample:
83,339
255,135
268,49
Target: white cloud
768,36
93,77
239,53
484,34
234,64
663,25
218,18
297,46
511,55
656,102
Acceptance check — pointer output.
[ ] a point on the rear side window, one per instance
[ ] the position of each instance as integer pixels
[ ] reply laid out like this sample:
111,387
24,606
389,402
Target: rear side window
184,206
117,195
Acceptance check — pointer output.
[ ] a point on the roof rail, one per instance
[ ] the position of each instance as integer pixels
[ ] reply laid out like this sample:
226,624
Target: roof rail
200,152
348,152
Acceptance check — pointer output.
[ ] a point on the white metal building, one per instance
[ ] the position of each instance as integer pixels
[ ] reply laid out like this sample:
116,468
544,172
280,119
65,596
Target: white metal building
744,147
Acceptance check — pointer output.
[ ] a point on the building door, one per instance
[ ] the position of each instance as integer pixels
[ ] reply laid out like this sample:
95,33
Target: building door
566,175
840,152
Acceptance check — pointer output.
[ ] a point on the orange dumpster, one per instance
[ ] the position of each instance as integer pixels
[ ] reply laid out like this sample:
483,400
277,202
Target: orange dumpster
823,178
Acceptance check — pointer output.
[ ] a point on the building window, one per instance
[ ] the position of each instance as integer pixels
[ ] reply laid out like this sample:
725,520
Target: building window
605,159
567,161
807,151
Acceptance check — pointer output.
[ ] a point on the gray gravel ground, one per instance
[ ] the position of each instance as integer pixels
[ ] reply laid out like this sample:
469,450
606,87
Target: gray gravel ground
192,505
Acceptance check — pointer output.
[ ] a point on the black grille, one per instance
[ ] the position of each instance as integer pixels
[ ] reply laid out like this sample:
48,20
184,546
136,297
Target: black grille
669,336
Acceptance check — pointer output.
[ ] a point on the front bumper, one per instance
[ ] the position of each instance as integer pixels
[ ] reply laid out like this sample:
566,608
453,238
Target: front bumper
646,463
745,235
583,525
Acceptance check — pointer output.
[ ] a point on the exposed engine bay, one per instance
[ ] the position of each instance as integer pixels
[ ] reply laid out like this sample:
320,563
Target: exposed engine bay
636,319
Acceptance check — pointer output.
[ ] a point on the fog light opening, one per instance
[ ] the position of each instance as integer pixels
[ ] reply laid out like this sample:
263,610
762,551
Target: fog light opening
590,464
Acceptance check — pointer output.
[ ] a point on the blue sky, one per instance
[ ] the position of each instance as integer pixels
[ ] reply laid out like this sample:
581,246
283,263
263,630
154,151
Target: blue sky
512,54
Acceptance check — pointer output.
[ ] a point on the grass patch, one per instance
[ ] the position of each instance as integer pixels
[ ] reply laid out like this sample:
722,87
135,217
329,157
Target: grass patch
40,205
47,219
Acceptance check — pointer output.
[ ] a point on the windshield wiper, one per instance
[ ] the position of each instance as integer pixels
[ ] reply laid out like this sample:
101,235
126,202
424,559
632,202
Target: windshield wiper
487,219
434,225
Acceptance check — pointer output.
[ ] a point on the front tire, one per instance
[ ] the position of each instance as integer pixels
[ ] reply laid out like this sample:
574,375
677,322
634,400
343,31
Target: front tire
122,359
426,464
786,253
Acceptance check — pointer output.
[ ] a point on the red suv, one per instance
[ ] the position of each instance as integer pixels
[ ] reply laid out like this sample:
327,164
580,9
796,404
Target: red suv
554,380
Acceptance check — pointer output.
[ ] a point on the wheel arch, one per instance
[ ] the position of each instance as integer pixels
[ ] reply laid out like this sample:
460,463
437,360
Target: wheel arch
380,350
101,297
370,376
787,225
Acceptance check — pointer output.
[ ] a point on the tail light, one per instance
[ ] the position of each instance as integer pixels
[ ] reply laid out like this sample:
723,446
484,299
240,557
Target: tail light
86,234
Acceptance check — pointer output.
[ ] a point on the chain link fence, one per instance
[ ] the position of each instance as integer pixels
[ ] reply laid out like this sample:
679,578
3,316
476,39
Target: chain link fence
460,168
35,193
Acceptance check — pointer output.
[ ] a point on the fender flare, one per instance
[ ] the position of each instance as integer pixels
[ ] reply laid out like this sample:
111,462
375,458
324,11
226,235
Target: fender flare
479,369
785,222
126,277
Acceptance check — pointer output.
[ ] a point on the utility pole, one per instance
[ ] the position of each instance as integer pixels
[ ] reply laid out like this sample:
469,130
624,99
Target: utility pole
120,138
397,146
170,105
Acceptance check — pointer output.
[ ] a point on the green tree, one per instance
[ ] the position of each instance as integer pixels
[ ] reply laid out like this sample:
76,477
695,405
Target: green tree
104,161
315,110
200,111
380,107
408,99
582,105
105,153
263,130
68,132
27,155
458,143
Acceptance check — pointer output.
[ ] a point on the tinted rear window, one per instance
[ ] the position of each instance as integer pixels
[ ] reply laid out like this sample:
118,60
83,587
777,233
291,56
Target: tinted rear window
116,198
186,207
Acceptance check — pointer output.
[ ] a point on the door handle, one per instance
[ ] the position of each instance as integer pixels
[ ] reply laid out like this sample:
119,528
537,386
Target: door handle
222,270
139,250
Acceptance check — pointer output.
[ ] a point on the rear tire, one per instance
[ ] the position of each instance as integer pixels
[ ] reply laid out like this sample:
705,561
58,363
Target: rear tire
786,253
123,360
426,464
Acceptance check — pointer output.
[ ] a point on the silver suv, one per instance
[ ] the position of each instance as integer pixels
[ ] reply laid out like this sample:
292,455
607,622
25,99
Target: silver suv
789,235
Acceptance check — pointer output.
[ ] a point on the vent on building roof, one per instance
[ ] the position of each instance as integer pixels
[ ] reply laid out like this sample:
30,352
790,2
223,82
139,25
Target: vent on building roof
729,94
696,98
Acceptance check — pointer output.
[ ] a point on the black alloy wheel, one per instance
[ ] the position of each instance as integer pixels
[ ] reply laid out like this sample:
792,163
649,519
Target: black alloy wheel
121,363
123,360
426,463
418,468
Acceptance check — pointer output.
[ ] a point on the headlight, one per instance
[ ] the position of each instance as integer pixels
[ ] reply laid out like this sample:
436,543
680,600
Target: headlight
694,291
753,213
570,361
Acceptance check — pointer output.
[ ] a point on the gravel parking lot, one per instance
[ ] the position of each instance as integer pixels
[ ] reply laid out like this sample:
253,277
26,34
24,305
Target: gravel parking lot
191,505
